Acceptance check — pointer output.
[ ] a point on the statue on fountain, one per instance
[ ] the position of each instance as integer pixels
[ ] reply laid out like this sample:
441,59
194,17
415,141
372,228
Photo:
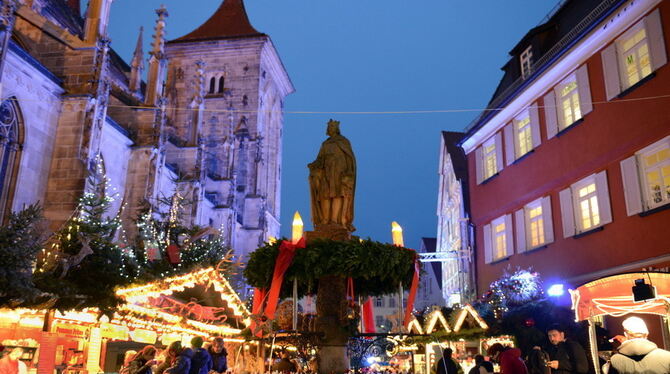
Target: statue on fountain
332,181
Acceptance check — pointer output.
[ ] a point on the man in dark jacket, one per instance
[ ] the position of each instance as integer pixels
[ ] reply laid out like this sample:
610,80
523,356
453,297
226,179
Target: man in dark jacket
201,362
447,365
219,356
565,356
182,359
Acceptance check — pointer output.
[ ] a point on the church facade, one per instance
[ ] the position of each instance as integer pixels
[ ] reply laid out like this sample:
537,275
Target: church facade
206,125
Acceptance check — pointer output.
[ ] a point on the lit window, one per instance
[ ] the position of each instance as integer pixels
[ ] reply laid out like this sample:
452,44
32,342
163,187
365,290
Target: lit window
489,155
656,164
588,206
499,238
568,107
526,59
634,56
535,226
646,177
524,137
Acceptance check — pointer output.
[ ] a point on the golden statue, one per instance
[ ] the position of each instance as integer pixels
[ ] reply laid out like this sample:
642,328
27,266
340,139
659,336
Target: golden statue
332,181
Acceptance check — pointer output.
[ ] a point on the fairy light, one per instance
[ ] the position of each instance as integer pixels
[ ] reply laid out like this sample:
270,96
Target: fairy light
437,316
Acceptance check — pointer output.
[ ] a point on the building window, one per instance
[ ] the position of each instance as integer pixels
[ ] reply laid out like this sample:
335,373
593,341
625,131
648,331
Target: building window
498,236
634,56
646,177
490,166
585,205
379,321
221,84
392,302
656,166
523,136
488,158
526,60
379,302
212,85
534,227
9,149
568,103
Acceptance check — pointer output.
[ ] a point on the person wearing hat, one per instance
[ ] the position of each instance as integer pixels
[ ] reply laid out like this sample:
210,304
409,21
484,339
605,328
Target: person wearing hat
637,354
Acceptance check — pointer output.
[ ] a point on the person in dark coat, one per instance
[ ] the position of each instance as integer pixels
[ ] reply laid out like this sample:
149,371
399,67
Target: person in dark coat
180,359
219,356
447,365
509,359
201,361
142,361
481,366
285,365
565,356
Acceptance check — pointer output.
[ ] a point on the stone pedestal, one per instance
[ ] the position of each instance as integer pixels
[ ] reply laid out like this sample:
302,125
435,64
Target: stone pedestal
331,308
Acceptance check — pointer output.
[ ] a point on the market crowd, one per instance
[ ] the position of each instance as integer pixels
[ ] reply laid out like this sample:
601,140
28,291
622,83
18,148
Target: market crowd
635,354
176,359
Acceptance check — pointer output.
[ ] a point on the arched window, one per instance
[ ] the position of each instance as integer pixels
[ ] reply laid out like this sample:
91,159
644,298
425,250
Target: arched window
212,85
10,145
221,82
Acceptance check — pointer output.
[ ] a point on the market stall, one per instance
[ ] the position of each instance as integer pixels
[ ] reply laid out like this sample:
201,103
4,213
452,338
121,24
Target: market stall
613,296
464,336
200,303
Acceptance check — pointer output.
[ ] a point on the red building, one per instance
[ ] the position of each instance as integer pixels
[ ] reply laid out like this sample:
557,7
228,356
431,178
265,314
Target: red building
569,172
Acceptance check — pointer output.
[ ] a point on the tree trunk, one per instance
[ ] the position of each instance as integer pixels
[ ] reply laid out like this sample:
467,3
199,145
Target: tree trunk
331,308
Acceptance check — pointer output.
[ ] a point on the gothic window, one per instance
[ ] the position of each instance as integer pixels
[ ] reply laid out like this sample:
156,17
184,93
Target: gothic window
212,85
221,84
10,144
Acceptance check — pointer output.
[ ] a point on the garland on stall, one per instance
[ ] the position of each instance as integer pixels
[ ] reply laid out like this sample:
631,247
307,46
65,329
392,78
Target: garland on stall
376,268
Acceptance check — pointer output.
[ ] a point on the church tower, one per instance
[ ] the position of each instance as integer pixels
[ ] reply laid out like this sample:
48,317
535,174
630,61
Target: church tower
225,91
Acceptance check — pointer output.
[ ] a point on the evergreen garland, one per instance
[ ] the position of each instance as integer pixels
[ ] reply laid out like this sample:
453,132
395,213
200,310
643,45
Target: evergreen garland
377,268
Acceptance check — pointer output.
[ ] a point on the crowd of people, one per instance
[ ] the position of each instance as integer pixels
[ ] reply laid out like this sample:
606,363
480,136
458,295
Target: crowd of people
635,354
176,359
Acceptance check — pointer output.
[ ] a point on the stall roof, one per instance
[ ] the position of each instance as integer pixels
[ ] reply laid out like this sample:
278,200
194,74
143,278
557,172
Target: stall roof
613,296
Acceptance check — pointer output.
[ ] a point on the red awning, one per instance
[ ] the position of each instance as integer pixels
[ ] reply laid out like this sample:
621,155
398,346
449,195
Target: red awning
613,296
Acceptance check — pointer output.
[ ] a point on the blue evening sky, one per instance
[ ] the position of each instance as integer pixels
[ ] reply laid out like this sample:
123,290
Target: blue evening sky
369,56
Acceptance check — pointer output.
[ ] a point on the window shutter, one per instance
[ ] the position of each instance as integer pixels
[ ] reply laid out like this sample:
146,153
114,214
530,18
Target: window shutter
631,186
499,151
479,165
611,71
602,191
567,213
488,250
548,220
510,150
520,218
655,31
550,117
534,125
585,102
509,236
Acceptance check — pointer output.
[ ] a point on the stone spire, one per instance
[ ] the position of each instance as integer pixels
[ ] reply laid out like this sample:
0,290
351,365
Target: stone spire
97,18
157,59
137,64
229,21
